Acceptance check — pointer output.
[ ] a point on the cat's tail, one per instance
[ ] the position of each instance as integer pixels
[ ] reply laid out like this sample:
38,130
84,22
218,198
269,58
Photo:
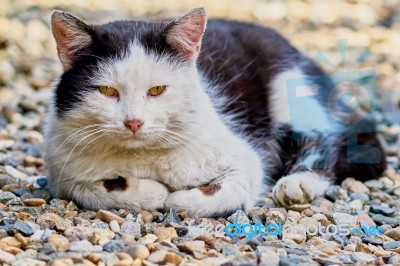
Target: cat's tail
360,154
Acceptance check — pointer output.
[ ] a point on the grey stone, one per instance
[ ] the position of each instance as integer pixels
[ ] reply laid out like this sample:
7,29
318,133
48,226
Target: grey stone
371,240
360,196
5,196
130,227
391,245
379,209
395,260
239,217
6,180
114,246
381,219
23,227
229,250
172,218
84,246
335,192
362,257
341,206
88,215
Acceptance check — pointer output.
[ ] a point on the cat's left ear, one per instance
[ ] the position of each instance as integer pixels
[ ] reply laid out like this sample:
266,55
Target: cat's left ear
185,33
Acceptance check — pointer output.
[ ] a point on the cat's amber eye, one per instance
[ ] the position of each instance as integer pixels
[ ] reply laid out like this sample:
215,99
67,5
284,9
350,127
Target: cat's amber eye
156,90
108,91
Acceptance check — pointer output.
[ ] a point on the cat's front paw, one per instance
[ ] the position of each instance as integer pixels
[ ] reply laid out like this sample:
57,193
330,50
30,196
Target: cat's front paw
152,194
183,200
299,188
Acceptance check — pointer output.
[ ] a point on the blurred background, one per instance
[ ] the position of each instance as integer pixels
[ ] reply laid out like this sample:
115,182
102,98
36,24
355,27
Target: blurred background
29,64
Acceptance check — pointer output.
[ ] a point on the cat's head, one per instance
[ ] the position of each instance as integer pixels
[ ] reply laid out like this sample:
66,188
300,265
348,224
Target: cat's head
133,83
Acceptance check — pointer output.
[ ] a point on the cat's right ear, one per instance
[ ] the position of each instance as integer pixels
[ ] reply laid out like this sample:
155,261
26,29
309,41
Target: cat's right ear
71,35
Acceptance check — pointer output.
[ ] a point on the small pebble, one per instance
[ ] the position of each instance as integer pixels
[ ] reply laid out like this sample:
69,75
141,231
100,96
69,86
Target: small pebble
114,226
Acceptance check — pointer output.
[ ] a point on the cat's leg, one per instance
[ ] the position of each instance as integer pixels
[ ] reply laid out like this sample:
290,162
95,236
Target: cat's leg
308,173
220,198
120,193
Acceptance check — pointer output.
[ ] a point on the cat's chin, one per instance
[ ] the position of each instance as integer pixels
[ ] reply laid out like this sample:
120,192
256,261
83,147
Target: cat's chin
132,142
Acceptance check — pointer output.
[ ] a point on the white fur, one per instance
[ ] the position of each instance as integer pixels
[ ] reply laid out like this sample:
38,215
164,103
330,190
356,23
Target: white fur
304,112
203,150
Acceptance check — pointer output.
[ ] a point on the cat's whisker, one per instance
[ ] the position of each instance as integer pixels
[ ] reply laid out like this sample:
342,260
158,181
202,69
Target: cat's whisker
72,130
72,150
75,135
92,141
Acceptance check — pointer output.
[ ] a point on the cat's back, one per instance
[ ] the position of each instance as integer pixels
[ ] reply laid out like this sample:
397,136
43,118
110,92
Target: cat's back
240,60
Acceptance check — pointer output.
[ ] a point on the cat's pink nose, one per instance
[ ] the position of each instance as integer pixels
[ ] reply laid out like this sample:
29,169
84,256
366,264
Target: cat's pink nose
133,125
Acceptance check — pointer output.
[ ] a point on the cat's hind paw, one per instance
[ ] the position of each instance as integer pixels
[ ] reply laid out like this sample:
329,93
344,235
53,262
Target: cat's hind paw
299,188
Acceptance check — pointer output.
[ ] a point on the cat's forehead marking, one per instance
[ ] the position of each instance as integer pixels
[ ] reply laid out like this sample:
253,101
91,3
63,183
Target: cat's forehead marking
138,69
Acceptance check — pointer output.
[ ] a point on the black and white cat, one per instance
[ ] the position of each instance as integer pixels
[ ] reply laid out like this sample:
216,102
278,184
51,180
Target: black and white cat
169,114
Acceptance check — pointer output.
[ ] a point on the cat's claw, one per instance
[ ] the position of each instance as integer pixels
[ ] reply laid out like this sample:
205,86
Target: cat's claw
299,188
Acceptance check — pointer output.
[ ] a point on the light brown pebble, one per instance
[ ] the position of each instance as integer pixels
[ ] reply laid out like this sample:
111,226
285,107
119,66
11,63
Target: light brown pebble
315,241
383,253
34,202
299,207
183,214
297,238
147,217
108,216
208,239
124,256
13,250
148,239
363,248
9,242
138,252
168,243
94,257
353,185
33,161
137,262
24,216
102,241
172,257
70,214
329,251
10,187
55,220
128,237
114,226
393,233
165,233
23,240
60,242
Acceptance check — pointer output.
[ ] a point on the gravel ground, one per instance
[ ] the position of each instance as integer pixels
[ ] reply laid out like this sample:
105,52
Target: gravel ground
36,229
